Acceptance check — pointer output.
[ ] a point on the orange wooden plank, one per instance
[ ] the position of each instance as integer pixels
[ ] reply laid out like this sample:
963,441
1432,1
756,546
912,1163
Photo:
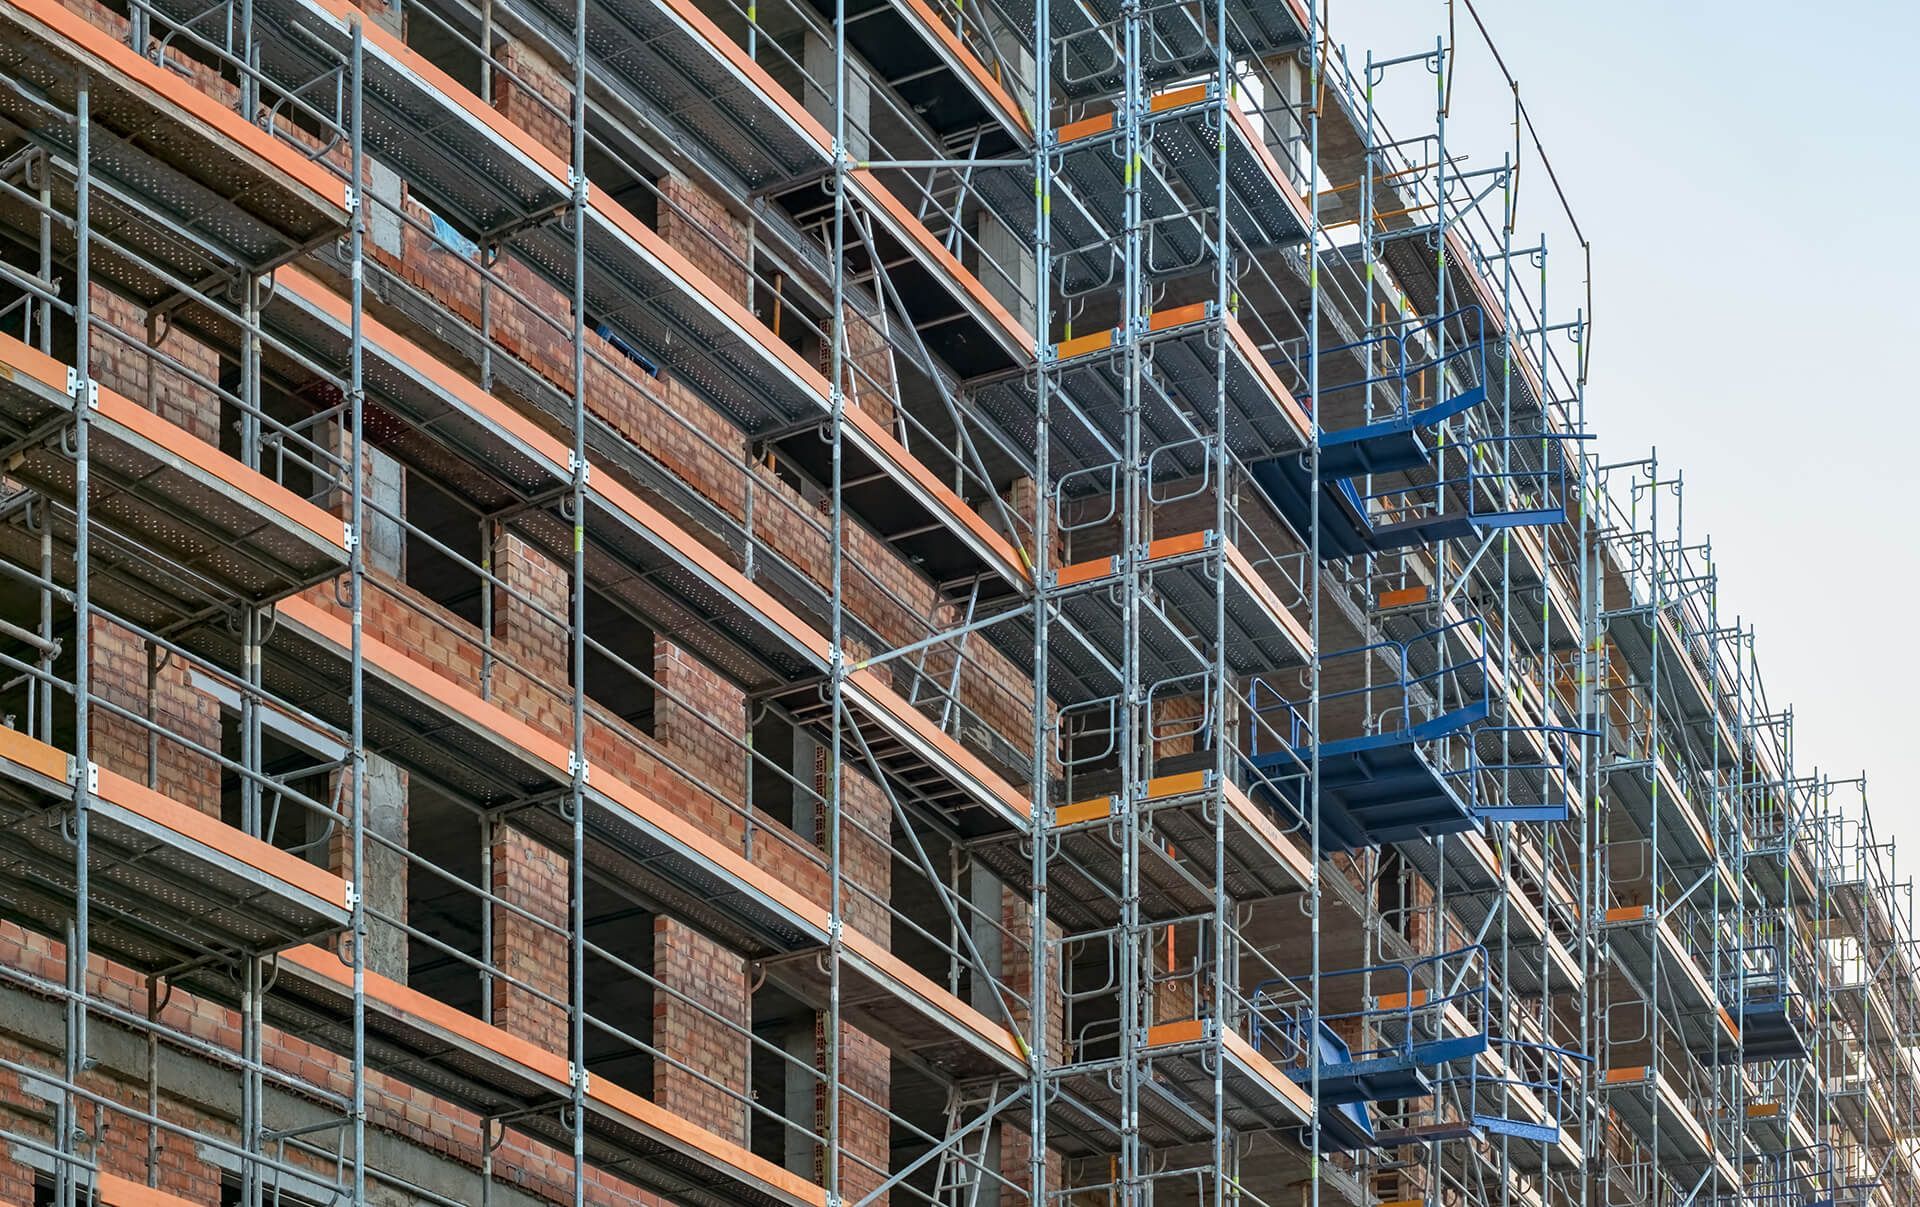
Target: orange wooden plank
209,459
882,442
1184,1031
1161,787
18,359
1173,98
936,251
1267,1071
1260,823
653,1117
1176,546
1083,572
1257,360
410,1005
35,756
917,983
204,829
1084,811
1403,597
1177,316
112,1191
1256,586
216,834
886,699
1086,127
1080,345
112,57
923,14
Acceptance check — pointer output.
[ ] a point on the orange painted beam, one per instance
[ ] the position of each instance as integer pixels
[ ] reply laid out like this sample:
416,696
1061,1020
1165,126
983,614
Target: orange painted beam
19,360
187,104
112,1191
189,823
409,1005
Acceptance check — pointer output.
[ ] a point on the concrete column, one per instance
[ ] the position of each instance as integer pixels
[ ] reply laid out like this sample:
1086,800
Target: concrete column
1007,268
384,885
816,58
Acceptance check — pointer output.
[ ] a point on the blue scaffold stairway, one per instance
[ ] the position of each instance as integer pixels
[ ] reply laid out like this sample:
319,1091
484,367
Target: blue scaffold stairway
1410,478
1431,1016
1771,1018
1400,783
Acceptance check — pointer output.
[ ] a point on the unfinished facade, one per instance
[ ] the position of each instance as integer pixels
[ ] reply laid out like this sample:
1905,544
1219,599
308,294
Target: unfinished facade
765,603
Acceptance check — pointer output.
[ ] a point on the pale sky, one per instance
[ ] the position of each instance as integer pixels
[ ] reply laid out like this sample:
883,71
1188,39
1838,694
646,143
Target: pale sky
1747,174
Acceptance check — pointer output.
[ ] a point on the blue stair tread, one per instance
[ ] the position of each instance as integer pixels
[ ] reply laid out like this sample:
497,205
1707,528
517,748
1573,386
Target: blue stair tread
1346,1128
1447,722
1520,812
1452,1048
1390,444
1519,1129
1343,529
1377,789
1769,1026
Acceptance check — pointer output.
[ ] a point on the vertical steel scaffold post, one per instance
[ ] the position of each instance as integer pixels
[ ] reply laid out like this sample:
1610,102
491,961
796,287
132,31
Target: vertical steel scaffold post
79,942
577,627
1316,51
357,572
837,712
1039,949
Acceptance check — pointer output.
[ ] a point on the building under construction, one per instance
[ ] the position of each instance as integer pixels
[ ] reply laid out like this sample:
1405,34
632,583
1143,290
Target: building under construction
869,603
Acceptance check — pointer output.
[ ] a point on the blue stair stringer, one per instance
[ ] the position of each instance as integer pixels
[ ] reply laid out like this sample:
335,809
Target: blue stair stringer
1770,1029
1391,444
1388,446
1376,789
1349,1125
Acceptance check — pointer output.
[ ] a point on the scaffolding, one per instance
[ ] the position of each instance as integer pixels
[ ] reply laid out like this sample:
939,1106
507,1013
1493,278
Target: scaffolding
782,604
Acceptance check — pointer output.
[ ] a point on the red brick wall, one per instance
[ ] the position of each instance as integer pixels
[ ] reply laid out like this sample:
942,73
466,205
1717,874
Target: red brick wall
867,377
118,657
124,366
698,719
1017,976
865,1132
119,676
711,1090
534,95
866,820
178,1168
668,422
533,877
704,230
411,1114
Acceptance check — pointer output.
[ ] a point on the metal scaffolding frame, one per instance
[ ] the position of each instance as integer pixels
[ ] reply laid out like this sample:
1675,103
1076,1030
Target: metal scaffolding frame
1202,707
